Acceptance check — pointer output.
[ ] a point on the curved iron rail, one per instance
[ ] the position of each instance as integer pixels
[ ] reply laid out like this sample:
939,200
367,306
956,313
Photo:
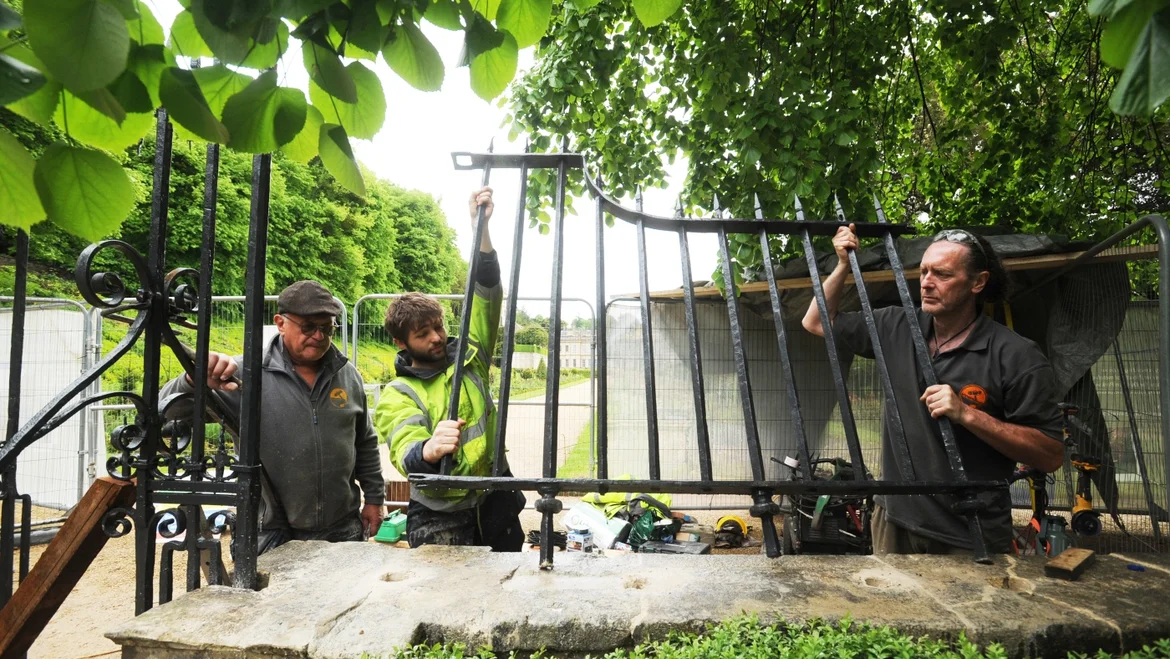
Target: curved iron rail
734,224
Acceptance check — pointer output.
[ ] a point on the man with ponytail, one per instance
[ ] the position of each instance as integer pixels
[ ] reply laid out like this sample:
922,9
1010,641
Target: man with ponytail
996,387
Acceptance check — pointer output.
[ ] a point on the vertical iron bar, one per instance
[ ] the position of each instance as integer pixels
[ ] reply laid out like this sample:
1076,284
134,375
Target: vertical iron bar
510,322
15,370
731,292
25,534
601,355
548,505
922,354
843,404
151,358
702,432
448,461
893,415
763,507
248,508
647,349
1135,437
782,343
166,581
202,348
552,397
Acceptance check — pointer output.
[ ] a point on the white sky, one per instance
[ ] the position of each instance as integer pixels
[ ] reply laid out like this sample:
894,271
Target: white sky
414,148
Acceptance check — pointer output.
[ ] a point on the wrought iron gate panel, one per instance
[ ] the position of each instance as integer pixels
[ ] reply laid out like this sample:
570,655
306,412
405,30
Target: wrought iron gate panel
759,487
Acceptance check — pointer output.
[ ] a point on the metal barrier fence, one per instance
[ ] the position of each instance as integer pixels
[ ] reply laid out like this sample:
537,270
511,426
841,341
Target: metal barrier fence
374,354
57,331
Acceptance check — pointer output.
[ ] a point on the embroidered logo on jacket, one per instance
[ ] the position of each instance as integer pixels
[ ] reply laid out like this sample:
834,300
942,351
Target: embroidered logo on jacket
974,395
338,397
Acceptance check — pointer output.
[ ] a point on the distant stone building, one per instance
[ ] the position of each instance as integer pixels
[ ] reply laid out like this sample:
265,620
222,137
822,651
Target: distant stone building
576,348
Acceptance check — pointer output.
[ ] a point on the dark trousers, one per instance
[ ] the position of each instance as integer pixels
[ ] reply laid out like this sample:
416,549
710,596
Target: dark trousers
889,538
493,523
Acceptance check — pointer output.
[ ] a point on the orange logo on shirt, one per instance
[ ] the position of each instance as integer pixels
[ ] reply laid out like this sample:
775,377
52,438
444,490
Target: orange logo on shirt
338,397
974,395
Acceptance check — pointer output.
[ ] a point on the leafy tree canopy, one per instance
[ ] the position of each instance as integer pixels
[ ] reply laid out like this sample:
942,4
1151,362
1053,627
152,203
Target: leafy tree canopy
1036,116
97,69
390,240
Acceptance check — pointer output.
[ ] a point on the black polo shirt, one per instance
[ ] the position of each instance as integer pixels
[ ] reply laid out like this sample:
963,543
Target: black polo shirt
995,370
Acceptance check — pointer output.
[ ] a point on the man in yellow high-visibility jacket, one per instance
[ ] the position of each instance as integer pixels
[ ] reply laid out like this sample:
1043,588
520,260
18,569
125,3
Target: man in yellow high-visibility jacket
412,412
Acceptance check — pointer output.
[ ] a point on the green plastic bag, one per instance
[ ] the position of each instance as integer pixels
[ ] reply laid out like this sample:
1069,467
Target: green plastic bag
642,530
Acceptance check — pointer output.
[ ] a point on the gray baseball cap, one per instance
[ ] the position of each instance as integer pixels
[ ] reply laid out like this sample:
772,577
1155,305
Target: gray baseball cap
307,298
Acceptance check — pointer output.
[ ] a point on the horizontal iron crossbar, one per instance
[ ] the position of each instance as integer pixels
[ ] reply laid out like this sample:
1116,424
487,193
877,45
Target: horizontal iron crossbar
428,481
195,498
465,160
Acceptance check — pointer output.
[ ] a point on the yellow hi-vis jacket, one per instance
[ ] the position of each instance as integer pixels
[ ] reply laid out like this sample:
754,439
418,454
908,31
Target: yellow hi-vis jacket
414,403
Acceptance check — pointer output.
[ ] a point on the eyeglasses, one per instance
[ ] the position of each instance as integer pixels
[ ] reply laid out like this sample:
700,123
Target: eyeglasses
959,236
309,329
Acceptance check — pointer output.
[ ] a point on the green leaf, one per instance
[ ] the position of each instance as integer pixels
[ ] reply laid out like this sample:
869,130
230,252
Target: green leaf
185,38
17,79
493,70
84,191
266,55
104,101
1121,34
127,8
148,63
230,47
83,43
18,194
1102,8
264,115
486,8
653,12
526,20
364,29
39,105
413,57
583,5
325,69
337,157
480,37
444,14
9,19
130,93
219,83
187,106
303,147
94,127
145,28
1145,83
363,119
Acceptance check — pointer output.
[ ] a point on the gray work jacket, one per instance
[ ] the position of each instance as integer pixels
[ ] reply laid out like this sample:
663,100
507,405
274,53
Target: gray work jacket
316,445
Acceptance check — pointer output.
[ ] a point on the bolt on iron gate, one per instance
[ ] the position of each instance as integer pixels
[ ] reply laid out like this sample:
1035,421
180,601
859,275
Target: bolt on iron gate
758,488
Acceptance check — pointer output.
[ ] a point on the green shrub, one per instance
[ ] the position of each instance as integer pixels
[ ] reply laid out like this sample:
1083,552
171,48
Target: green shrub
746,637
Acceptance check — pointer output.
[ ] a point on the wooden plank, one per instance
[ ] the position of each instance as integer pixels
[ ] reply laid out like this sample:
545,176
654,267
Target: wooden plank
1039,262
1070,563
59,569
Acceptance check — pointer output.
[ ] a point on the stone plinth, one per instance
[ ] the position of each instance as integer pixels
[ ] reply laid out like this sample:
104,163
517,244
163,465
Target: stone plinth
343,600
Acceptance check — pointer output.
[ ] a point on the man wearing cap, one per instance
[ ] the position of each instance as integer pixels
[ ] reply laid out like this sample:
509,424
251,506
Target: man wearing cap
318,449
996,387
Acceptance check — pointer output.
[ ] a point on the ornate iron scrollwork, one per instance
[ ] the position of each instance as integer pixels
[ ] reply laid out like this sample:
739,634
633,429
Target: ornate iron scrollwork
118,522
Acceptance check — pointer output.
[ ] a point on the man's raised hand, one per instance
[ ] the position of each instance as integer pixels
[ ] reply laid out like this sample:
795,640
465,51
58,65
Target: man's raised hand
445,441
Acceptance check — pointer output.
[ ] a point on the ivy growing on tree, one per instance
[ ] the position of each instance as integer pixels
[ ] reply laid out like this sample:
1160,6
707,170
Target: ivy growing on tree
1027,116
97,69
